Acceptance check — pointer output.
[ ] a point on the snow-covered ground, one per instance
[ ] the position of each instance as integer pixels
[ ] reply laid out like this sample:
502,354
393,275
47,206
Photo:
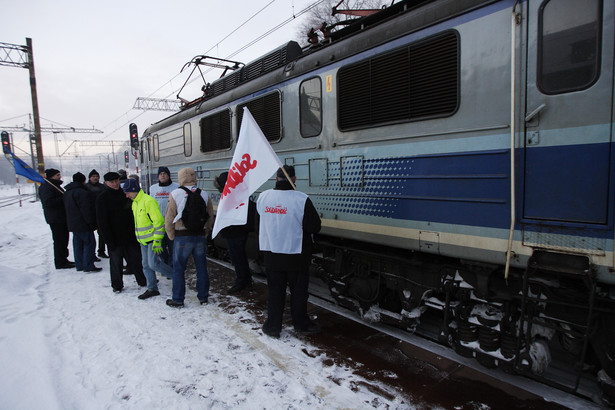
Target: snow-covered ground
68,342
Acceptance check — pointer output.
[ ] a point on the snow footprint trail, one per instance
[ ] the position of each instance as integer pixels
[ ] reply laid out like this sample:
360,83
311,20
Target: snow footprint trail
68,342
294,367
333,386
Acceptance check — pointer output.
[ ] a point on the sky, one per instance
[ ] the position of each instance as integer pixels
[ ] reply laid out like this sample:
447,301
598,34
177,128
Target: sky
68,342
94,59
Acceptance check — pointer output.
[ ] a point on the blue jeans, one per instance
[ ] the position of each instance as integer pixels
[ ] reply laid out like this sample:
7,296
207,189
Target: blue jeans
183,247
84,245
152,264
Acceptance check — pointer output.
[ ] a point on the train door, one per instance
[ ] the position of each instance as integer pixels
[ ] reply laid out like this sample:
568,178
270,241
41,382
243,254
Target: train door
569,94
146,163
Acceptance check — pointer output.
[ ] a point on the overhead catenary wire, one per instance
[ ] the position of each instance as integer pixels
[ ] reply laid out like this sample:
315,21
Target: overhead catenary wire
178,74
243,48
262,36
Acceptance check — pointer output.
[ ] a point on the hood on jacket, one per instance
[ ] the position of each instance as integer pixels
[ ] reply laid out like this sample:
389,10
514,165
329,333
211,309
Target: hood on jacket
74,185
186,177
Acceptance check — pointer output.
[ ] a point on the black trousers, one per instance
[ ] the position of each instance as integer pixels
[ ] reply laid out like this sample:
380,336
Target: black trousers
237,251
59,233
101,244
132,253
298,282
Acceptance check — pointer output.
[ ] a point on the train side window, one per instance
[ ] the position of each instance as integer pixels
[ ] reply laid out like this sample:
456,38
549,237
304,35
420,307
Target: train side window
155,147
187,139
569,44
310,107
411,83
267,112
216,131
145,150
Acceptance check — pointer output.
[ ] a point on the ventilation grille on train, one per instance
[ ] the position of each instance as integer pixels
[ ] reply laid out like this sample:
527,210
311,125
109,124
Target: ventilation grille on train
276,59
266,111
216,131
412,83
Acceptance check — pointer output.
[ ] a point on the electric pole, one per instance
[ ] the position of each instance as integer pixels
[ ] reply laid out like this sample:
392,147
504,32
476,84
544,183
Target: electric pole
13,55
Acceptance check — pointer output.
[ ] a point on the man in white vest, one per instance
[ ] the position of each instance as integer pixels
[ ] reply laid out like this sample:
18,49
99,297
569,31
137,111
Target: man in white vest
287,221
161,192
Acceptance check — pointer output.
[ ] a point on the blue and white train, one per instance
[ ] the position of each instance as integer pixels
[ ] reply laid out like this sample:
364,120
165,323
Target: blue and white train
460,153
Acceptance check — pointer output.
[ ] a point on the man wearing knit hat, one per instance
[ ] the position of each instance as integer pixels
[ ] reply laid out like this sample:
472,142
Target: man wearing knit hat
161,192
187,242
149,230
96,188
81,220
51,195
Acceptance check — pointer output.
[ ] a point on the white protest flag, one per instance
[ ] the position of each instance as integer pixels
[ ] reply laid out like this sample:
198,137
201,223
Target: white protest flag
254,161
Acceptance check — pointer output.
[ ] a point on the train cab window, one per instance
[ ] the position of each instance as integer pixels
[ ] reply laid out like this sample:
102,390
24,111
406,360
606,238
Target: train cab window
187,139
267,113
415,82
155,147
310,107
216,131
141,151
569,45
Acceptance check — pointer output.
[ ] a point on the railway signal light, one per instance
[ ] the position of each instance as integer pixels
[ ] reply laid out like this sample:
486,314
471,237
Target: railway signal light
6,142
126,157
134,136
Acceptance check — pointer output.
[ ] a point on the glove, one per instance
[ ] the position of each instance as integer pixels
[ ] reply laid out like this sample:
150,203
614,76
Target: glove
157,247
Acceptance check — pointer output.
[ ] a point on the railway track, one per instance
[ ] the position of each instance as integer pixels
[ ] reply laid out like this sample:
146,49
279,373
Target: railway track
14,199
320,297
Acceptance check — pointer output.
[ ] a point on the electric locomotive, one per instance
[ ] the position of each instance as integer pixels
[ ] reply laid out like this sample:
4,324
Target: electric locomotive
460,155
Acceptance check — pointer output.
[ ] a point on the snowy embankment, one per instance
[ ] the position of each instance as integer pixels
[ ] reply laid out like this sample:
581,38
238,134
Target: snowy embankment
68,342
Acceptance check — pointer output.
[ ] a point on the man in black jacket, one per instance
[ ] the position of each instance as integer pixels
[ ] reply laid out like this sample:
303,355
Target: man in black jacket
51,195
81,221
287,221
236,237
96,188
116,224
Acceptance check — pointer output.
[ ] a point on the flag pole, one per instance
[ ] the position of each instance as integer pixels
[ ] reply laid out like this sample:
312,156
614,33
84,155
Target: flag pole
62,192
288,178
18,189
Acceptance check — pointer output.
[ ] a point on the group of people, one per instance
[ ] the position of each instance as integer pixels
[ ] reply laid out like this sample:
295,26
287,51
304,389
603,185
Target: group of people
149,233
130,224
71,209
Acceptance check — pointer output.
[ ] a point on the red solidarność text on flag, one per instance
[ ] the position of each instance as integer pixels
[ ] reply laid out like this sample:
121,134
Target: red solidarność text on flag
254,161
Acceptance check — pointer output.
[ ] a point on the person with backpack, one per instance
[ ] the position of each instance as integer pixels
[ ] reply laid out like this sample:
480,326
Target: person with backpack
149,230
187,223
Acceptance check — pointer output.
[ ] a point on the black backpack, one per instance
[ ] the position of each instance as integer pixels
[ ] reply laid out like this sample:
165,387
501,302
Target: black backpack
195,213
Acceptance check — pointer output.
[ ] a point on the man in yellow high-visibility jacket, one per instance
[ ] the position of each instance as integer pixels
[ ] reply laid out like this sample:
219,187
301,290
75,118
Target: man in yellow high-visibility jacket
149,230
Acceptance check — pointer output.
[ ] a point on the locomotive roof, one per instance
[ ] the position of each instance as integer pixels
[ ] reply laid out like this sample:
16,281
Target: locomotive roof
422,13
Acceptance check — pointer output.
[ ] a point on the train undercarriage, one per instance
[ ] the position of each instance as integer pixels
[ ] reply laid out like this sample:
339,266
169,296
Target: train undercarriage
551,322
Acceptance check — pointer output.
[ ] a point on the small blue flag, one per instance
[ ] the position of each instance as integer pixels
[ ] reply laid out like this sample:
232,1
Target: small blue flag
23,169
